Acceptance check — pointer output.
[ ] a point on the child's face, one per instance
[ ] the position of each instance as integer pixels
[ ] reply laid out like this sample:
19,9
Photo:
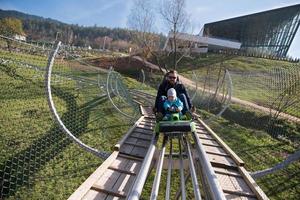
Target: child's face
171,98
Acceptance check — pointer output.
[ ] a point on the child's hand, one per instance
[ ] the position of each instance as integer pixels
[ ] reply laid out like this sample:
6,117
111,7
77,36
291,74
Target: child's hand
172,109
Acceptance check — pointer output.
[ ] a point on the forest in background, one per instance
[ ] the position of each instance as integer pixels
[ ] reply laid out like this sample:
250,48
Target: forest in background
48,30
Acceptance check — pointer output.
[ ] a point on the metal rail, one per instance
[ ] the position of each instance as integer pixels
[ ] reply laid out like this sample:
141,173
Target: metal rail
206,150
156,182
53,110
141,178
192,171
182,180
208,172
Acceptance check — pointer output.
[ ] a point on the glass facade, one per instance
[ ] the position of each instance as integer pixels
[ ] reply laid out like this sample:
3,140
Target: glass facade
270,32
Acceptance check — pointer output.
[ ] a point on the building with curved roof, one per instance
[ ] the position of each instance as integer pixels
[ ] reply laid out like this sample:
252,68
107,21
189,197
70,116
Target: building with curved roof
270,32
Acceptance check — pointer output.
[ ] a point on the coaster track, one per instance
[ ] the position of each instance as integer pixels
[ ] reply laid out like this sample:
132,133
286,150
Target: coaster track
123,174
215,170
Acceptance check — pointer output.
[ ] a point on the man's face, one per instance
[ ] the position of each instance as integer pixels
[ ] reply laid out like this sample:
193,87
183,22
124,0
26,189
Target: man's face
172,77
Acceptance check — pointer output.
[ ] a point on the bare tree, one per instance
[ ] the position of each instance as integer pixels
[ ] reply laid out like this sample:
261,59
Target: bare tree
142,20
176,18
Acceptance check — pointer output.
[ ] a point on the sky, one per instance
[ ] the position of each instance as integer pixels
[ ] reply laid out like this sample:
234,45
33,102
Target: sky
114,13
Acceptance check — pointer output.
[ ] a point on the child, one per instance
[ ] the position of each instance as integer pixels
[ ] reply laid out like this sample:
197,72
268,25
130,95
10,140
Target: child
172,104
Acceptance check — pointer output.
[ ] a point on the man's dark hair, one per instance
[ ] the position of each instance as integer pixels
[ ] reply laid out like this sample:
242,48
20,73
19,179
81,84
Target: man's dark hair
172,72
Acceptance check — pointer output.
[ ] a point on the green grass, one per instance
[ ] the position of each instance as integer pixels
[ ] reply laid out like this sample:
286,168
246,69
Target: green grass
260,151
254,88
48,165
42,162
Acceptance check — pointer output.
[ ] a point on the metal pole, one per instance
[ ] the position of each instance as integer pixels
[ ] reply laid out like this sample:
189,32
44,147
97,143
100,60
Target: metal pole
170,164
193,172
54,112
178,193
137,188
182,182
215,190
156,182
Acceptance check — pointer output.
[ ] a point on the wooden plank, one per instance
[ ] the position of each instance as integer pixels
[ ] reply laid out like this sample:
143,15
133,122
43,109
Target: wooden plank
209,142
94,195
252,184
228,172
221,161
151,117
147,125
126,148
240,193
144,128
108,179
134,166
200,127
110,197
87,184
127,166
116,193
201,131
225,166
140,138
136,144
237,197
130,157
222,143
211,145
119,163
118,145
143,131
122,182
218,154
139,152
144,142
126,187
205,136
214,149
234,185
131,140
137,141
126,180
141,135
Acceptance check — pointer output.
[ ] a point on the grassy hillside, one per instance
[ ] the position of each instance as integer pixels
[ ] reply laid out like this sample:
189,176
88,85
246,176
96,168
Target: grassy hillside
251,77
260,151
37,160
43,163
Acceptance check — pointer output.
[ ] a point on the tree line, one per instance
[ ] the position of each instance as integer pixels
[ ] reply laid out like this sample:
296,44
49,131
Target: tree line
48,30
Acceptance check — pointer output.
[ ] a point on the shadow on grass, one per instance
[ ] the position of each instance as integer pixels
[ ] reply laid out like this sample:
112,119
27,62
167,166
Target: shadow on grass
254,120
278,184
18,170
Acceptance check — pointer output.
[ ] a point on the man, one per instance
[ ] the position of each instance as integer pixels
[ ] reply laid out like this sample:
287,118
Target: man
171,81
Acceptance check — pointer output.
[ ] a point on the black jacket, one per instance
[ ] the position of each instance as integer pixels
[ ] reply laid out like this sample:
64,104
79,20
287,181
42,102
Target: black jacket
165,86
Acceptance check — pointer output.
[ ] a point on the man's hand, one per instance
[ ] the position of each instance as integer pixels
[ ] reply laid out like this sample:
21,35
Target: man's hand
154,110
193,109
